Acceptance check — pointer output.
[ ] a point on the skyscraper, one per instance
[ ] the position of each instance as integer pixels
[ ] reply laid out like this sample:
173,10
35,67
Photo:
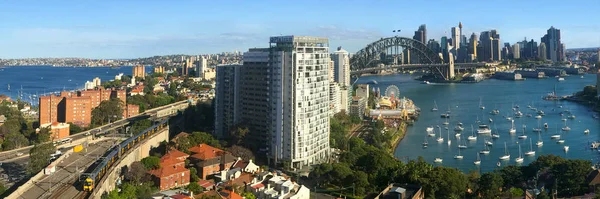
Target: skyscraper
542,52
553,44
283,93
341,63
485,41
516,51
301,117
139,71
444,46
496,47
563,52
460,34
421,34
201,67
434,46
455,37
473,45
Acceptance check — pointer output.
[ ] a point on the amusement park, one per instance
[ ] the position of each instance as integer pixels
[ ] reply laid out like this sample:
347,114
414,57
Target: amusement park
393,109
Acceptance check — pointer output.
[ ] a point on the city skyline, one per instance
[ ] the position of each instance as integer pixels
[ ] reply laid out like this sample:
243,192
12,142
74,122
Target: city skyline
113,30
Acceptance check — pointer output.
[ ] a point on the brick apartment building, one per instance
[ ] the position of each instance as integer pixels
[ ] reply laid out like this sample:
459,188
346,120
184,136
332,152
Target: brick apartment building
57,130
210,160
139,71
77,107
172,172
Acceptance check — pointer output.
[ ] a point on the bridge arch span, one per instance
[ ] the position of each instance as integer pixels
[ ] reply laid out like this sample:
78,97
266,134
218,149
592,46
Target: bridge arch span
366,56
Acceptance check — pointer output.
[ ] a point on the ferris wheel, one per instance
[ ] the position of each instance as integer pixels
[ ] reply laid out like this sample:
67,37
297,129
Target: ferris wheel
392,90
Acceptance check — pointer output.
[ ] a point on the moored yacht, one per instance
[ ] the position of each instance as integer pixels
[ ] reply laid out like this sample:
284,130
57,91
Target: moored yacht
484,129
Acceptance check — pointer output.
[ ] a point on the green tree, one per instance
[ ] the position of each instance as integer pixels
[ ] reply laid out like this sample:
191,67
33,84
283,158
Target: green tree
194,175
490,184
14,140
238,134
195,187
74,129
108,111
114,194
203,138
512,176
151,162
571,174
139,126
145,190
39,157
242,152
516,192
248,195
43,136
128,190
2,188
543,195
136,172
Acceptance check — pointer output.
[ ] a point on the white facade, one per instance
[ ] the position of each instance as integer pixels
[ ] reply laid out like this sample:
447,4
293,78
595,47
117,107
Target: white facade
344,99
455,37
119,76
97,81
300,99
334,98
341,62
516,51
201,67
542,51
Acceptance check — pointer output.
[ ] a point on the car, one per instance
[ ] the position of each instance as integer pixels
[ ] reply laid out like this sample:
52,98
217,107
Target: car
19,154
87,133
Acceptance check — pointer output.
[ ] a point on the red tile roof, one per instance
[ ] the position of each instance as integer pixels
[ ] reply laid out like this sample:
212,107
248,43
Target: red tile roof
180,196
171,163
230,195
167,171
205,183
257,186
205,151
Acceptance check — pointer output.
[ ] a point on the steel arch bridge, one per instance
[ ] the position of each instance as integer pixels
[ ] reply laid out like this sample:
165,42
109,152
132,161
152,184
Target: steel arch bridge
365,57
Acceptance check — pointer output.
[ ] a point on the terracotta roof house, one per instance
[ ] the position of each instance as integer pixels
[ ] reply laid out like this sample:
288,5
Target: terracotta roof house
172,172
210,160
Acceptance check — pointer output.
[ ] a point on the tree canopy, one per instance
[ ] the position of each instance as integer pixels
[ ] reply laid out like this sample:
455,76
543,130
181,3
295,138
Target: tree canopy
108,111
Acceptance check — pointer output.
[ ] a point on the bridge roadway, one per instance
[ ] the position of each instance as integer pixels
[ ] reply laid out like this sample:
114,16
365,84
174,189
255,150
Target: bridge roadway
61,182
418,66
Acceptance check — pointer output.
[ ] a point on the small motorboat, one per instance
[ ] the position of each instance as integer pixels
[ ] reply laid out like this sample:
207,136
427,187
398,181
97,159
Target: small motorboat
498,164
438,160
560,141
546,125
528,115
586,131
457,135
523,137
555,136
489,143
477,162
538,117
566,128
566,148
494,135
571,116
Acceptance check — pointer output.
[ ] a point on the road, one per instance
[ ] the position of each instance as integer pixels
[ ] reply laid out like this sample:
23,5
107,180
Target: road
63,181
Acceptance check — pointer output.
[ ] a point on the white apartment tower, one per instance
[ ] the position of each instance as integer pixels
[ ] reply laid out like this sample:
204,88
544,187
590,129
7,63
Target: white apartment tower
201,67
300,98
341,62
516,51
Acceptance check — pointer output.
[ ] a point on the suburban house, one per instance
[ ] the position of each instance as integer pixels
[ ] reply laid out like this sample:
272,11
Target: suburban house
210,160
401,191
246,166
267,185
172,172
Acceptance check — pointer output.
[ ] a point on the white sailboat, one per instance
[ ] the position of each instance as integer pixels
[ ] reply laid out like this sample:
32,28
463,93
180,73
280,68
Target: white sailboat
523,136
538,129
435,108
506,156
463,144
586,131
566,148
566,128
512,128
478,161
520,158
425,143
446,122
481,104
484,129
531,151
495,134
440,139
430,131
539,143
438,160
458,156
472,136
485,150
449,141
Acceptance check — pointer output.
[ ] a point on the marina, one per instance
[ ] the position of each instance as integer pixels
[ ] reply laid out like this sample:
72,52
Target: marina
511,100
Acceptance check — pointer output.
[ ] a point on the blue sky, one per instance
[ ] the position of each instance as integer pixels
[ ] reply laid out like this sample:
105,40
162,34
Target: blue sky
132,28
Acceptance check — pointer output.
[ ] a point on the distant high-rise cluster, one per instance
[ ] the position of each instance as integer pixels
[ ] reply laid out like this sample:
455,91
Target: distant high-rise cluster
139,71
488,47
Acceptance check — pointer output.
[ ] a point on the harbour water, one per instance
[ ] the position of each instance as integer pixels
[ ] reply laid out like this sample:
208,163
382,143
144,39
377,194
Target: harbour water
463,102
36,80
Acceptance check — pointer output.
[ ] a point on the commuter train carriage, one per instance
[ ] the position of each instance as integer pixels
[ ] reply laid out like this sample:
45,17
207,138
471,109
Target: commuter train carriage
89,180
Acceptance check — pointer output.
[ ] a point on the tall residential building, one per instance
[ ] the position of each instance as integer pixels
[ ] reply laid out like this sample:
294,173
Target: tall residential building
201,67
563,51
491,48
185,67
455,31
97,82
139,71
496,47
301,117
444,46
542,52
421,34
287,85
530,50
49,108
341,63
159,69
516,51
598,57
334,98
472,45
331,72
78,110
553,44
226,99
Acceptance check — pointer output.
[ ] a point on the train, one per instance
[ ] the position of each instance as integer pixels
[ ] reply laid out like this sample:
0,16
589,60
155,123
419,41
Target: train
89,180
